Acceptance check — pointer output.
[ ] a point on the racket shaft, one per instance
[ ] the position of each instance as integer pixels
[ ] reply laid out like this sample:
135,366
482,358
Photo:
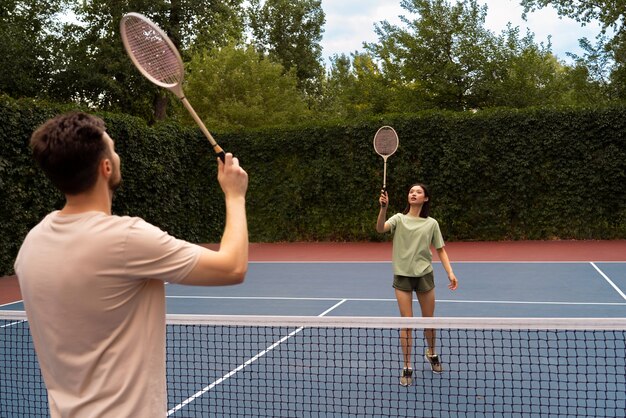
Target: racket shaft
385,174
218,150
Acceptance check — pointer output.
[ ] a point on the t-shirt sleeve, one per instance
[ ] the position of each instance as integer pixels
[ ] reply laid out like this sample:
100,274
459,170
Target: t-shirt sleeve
153,253
437,237
393,222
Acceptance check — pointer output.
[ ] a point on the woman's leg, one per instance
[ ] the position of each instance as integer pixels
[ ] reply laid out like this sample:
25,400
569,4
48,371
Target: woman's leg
405,303
427,306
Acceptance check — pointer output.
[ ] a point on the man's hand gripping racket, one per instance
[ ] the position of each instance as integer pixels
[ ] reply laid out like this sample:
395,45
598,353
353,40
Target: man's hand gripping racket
156,57
385,144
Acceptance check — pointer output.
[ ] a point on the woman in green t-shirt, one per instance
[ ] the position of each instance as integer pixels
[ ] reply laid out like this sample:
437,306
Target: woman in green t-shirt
414,232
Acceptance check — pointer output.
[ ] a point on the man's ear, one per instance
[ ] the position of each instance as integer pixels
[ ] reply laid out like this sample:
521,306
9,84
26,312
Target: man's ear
106,168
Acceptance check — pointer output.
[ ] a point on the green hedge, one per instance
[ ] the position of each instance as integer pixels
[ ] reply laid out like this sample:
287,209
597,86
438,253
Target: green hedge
494,175
168,177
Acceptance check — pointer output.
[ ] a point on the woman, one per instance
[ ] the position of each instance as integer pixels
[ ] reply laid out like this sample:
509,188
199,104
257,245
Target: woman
414,232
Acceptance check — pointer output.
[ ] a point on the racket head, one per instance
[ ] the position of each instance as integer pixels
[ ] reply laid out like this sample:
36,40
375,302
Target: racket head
151,51
386,141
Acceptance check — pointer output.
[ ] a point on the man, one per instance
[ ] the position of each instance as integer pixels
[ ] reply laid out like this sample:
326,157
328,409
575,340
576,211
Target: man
93,283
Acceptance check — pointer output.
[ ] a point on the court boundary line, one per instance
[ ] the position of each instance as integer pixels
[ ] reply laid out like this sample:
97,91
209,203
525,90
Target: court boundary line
324,299
437,262
10,324
617,289
245,364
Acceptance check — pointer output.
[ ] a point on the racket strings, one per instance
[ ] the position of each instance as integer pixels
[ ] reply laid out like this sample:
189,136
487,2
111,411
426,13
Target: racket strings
152,53
386,143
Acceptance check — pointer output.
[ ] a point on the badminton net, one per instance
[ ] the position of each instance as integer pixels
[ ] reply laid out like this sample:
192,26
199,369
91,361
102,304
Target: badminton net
261,366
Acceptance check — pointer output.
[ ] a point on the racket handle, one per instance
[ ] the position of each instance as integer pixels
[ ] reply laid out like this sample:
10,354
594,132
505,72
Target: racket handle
384,190
385,175
218,150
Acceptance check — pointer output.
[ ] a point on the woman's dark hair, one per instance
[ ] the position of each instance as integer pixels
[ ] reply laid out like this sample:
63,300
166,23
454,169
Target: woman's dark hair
69,148
425,212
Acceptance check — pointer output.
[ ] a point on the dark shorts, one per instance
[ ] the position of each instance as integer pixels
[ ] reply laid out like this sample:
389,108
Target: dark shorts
418,284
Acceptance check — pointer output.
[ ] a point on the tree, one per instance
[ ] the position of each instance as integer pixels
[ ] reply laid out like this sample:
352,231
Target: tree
356,87
522,73
290,31
440,54
96,69
609,13
612,16
233,88
592,73
30,36
445,58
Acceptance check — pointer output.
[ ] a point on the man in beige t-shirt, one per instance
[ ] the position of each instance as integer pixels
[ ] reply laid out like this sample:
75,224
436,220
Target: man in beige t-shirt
93,283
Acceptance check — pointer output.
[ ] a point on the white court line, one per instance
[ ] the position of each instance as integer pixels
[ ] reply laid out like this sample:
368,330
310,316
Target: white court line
258,298
12,323
513,302
434,262
609,281
244,365
522,302
11,303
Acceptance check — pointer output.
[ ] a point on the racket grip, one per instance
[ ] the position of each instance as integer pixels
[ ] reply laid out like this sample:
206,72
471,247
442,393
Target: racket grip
220,152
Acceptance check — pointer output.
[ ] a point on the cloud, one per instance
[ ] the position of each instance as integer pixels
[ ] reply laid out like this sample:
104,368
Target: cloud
349,23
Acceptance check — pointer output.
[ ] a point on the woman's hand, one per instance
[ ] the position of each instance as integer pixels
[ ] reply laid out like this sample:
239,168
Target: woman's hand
454,283
383,199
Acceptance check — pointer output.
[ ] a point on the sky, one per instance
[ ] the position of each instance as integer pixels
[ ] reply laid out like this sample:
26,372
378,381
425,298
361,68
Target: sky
349,23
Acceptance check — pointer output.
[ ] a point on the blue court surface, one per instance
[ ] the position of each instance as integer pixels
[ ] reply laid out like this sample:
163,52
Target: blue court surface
308,371
486,289
315,372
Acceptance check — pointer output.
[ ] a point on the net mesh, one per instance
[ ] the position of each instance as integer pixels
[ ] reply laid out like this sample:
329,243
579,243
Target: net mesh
151,52
350,367
386,141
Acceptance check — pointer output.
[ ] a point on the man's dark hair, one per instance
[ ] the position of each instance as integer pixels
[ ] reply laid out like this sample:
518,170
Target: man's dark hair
69,148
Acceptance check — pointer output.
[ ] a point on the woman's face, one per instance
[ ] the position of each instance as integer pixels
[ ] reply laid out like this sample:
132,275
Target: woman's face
417,196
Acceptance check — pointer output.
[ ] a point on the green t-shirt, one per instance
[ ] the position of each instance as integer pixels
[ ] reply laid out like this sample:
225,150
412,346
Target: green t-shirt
412,238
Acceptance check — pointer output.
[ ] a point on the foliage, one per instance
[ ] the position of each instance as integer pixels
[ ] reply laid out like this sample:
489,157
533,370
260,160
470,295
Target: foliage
357,88
109,79
185,201
608,12
537,173
524,74
234,88
611,15
441,58
591,74
290,32
29,31
445,58
440,54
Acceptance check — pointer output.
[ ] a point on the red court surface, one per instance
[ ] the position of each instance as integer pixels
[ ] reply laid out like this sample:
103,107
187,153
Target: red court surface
526,251
457,251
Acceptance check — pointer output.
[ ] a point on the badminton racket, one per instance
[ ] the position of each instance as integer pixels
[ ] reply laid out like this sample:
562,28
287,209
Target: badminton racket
157,58
385,144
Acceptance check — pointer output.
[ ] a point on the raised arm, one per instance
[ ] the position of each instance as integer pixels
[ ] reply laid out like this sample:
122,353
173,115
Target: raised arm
229,264
381,224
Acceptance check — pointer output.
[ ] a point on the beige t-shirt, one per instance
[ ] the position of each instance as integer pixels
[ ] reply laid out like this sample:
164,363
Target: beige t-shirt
93,288
412,239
